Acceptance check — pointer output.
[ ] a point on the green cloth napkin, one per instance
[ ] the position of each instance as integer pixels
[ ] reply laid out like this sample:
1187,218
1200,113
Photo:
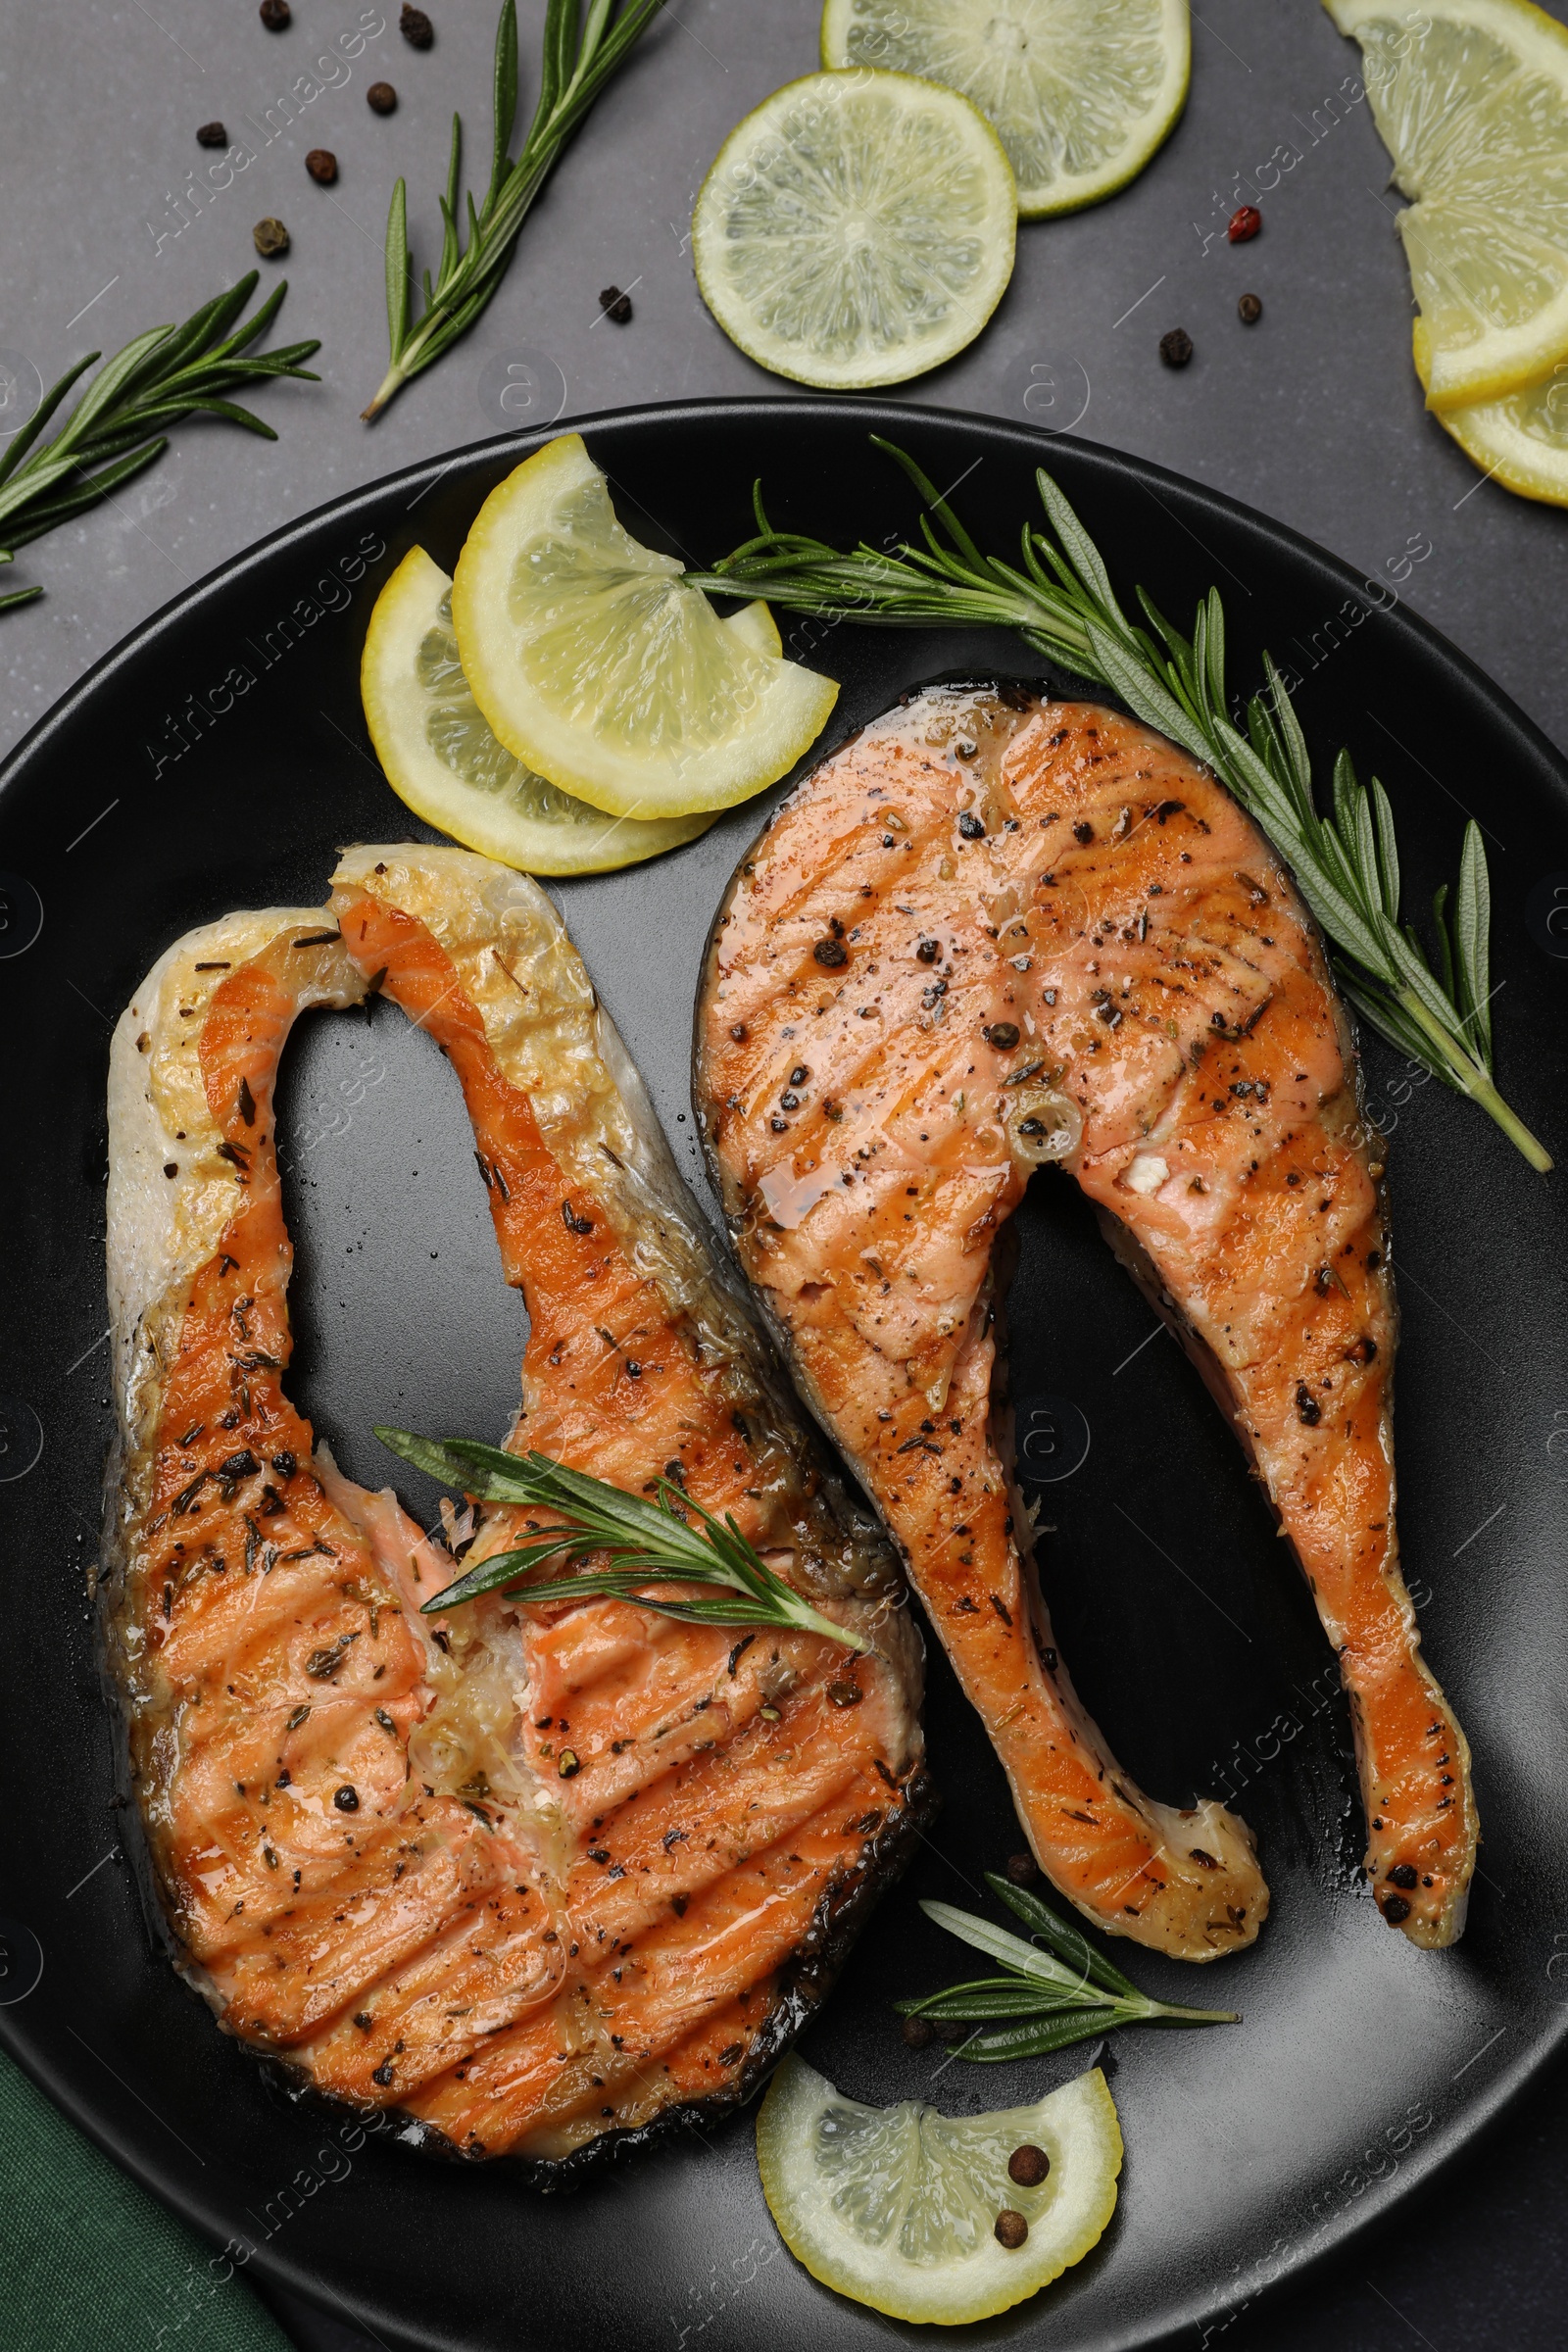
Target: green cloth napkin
89,2263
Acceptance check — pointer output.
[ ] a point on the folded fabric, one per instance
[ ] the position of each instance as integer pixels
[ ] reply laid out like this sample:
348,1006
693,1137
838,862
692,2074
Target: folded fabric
88,2260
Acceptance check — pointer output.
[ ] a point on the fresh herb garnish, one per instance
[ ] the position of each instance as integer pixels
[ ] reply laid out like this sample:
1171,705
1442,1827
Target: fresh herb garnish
1062,604
645,1541
119,424
1067,1993
578,59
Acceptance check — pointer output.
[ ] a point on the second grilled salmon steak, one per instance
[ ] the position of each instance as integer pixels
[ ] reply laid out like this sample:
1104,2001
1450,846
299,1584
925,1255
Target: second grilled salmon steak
991,931
534,1878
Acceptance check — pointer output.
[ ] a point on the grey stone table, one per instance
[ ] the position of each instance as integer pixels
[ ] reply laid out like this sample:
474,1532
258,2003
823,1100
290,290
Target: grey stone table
1314,415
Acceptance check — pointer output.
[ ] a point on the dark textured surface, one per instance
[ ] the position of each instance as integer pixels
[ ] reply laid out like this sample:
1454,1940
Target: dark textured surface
1314,415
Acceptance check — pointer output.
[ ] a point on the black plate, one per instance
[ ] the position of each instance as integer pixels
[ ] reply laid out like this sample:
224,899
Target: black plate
217,760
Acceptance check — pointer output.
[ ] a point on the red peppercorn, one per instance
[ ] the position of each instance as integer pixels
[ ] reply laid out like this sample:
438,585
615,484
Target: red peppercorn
1244,224
275,14
381,98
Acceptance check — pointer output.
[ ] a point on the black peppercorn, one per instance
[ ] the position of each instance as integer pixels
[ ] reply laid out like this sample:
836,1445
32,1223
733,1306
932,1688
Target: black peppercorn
277,15
1001,1036
615,304
271,238
321,165
970,827
1176,348
831,952
346,1798
212,134
918,2033
417,28
1250,309
927,951
381,98
1403,1873
1395,1909
1021,1870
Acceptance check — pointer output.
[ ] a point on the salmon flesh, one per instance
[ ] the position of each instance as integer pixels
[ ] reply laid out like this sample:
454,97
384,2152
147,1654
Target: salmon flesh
994,930
540,1880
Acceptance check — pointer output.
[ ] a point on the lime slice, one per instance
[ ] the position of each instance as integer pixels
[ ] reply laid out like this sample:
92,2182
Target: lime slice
443,761
600,669
1521,442
1080,92
1471,97
857,229
898,2205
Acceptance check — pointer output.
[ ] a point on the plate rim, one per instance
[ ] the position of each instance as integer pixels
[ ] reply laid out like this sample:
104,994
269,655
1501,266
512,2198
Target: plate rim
889,416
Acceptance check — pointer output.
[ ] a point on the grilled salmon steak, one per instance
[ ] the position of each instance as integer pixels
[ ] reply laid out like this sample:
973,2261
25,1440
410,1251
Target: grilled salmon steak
991,931
536,1877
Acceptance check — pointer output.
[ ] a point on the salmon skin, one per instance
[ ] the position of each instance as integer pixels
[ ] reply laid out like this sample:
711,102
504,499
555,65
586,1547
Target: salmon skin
993,930
540,1880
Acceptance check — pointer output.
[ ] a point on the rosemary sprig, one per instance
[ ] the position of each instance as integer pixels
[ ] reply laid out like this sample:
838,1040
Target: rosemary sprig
1064,1995
644,1542
578,59
1060,601
120,424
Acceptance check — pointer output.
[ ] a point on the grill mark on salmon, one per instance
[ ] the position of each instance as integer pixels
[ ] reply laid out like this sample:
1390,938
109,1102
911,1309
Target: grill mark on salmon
992,930
539,1881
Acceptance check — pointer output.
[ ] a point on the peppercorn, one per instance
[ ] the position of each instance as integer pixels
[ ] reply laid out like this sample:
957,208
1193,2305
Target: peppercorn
277,15
928,949
951,2029
321,165
845,1694
346,1798
1176,348
1001,1036
831,952
615,304
1395,1909
381,98
1021,1870
1403,1873
918,2033
1250,309
417,28
1244,224
212,134
1028,2165
969,826
271,238
1011,2230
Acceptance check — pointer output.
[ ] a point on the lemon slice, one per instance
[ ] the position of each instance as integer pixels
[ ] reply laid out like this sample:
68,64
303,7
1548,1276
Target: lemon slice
1471,97
1521,442
898,2205
600,669
1080,92
443,761
857,229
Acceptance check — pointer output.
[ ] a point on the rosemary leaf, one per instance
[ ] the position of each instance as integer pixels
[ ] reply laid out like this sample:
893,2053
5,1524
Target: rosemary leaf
578,58
120,425
1061,603
1037,2041
644,1542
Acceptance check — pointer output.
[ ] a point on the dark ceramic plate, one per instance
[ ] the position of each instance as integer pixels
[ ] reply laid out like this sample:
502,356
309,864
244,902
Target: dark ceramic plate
217,760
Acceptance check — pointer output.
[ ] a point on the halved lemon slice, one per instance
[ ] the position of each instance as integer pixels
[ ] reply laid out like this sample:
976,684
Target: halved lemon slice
857,229
899,2206
1471,97
600,669
442,761
1080,92
1521,442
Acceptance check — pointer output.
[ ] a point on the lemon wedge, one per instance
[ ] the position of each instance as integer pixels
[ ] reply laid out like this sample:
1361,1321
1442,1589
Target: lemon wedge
1471,98
599,668
442,761
1521,442
1080,92
898,2205
857,229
